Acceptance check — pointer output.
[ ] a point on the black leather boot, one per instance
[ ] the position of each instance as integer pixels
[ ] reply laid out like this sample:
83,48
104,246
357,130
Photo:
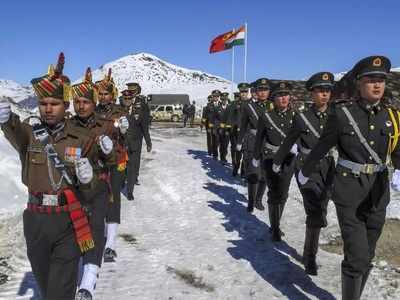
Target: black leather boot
262,185
273,211
351,287
252,191
310,250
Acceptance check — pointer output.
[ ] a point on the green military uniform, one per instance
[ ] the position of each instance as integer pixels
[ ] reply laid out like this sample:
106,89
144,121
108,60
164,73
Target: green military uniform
205,123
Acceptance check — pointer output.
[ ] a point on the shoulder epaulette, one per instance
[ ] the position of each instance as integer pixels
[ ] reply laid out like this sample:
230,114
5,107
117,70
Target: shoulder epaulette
343,102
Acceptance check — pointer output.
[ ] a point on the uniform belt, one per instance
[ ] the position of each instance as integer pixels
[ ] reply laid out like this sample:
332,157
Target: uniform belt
272,148
52,209
304,150
253,131
357,168
43,199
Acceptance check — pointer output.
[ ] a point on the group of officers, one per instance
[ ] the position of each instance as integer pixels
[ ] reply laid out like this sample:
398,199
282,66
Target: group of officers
75,167
340,147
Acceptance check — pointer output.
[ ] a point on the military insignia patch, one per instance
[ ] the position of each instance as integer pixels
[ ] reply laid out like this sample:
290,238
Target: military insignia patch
72,154
377,62
325,77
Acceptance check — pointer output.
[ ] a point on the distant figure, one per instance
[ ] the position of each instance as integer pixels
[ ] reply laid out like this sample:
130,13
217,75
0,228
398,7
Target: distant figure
191,112
185,114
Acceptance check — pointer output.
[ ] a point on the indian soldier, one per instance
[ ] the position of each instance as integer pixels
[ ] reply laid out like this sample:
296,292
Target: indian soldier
101,155
213,122
139,120
107,109
250,114
365,132
56,228
305,132
273,127
205,123
138,129
223,133
233,125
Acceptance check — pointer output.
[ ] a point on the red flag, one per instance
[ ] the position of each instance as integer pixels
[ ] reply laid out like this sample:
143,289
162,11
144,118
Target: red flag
227,40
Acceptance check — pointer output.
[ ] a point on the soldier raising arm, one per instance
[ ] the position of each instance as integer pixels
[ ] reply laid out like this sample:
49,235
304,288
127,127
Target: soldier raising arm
365,132
55,227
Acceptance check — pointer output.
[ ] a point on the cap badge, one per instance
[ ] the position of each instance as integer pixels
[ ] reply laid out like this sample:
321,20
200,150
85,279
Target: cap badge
282,85
377,62
325,76
263,81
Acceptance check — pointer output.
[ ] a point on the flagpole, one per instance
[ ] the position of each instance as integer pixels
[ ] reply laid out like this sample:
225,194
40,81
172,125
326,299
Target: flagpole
233,70
245,52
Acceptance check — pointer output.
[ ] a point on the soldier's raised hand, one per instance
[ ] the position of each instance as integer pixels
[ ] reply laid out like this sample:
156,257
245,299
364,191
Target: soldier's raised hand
5,111
84,170
396,181
106,144
123,125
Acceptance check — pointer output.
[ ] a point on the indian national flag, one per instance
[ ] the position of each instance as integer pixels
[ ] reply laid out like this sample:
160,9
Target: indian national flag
229,39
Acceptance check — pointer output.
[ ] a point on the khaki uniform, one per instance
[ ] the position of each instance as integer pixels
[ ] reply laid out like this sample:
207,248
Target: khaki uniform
51,242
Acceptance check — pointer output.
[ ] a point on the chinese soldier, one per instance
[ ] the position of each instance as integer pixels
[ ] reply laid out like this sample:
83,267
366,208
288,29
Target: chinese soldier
107,109
205,121
305,131
54,170
223,132
365,132
102,157
273,128
250,115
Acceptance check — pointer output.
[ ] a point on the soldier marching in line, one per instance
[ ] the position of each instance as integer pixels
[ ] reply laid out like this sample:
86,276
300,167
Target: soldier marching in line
204,123
139,120
213,122
250,114
223,133
305,131
55,172
272,129
365,132
107,109
102,157
233,126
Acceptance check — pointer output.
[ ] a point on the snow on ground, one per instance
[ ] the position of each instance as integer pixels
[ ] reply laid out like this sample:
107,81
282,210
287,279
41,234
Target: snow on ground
187,235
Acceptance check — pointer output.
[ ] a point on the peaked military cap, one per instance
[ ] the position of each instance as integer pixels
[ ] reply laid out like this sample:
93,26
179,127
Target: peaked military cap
134,87
262,83
225,94
86,88
243,87
54,84
281,87
321,79
372,65
216,93
107,84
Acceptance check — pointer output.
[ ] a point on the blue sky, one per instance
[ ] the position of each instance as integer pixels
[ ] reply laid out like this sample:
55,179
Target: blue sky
286,39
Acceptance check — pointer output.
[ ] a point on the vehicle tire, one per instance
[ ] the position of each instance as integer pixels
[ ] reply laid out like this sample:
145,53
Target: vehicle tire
175,118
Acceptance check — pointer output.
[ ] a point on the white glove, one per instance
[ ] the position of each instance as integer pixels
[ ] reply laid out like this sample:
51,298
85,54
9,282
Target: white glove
255,162
239,147
106,144
5,111
276,168
302,179
84,170
123,125
294,150
396,181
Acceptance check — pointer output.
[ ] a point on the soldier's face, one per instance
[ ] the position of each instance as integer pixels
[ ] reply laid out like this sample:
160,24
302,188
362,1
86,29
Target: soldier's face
127,101
262,94
320,96
282,101
52,110
84,107
105,97
244,95
371,88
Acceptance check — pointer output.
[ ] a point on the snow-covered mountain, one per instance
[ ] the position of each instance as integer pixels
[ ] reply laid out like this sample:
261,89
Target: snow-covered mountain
14,90
158,76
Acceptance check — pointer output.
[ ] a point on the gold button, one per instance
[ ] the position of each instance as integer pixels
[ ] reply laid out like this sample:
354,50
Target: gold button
282,125
371,142
372,127
344,174
321,126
